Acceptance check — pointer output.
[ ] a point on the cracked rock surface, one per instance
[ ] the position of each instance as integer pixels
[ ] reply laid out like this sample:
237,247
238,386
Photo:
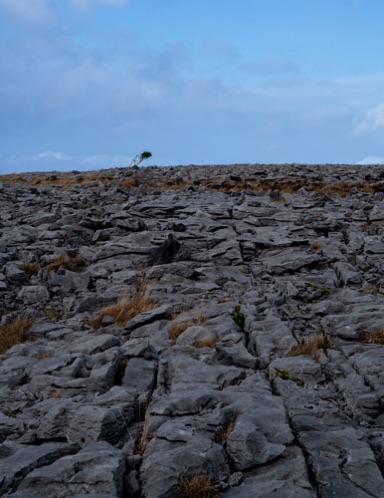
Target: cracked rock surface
256,362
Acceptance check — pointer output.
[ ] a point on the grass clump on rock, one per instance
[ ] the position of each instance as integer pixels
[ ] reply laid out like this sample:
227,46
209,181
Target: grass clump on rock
15,332
196,486
376,337
30,268
66,261
311,347
125,309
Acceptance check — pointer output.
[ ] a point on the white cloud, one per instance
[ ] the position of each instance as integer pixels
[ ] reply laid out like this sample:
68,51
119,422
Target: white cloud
371,160
49,154
107,161
374,120
31,11
85,5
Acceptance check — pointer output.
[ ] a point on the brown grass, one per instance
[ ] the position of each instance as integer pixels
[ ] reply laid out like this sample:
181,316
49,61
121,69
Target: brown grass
15,332
289,185
53,313
177,329
371,289
66,261
43,355
125,309
196,486
311,347
30,268
143,439
206,343
315,246
376,336
223,434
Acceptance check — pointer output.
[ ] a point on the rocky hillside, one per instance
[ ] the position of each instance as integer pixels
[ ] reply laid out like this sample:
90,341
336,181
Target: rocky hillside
193,332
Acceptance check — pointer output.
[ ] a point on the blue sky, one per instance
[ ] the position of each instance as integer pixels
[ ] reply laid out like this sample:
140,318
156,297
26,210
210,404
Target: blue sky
88,84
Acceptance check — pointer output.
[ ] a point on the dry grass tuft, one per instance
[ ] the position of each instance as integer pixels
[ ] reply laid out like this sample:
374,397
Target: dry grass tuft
311,347
315,246
196,486
371,289
142,442
125,309
225,431
30,268
15,332
66,261
54,314
206,343
376,337
43,355
177,329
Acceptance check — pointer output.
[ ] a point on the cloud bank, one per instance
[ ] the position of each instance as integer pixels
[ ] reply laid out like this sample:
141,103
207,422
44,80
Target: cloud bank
29,11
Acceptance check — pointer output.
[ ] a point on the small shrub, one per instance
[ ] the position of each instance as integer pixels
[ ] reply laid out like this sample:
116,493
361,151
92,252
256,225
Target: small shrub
15,332
311,347
238,317
140,158
196,486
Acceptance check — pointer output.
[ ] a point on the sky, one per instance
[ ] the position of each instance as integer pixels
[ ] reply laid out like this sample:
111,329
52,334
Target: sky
89,84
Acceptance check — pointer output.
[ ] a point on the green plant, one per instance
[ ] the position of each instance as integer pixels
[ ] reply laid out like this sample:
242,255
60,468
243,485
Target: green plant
201,319
282,374
140,158
380,406
238,317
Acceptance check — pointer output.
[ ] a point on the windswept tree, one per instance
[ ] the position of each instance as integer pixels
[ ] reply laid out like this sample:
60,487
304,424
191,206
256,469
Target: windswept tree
140,158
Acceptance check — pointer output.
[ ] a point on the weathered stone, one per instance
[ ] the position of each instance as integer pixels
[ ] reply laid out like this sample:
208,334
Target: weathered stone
204,383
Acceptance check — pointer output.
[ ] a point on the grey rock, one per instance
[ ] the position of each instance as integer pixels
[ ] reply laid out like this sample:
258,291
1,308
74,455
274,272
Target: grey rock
34,294
247,446
130,411
97,470
17,461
